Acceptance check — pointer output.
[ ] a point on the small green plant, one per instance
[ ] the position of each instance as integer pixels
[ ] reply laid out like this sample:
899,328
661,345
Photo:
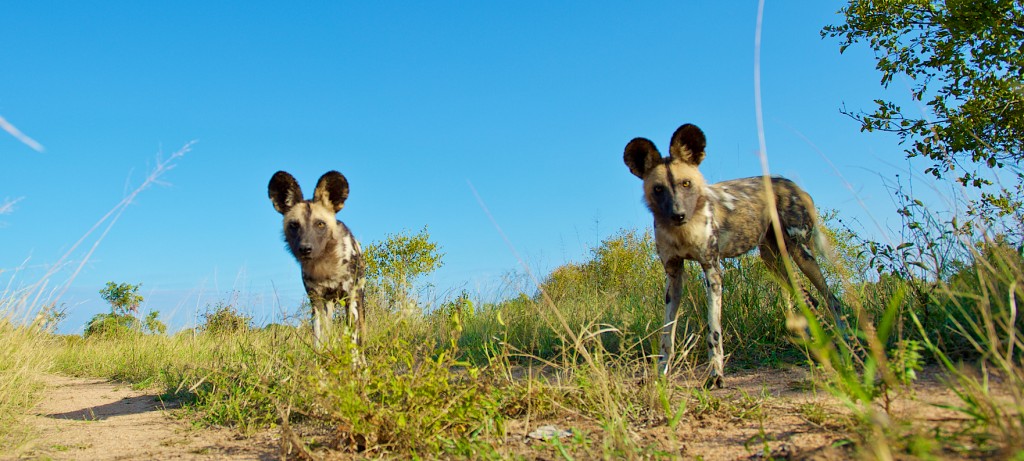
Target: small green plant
112,325
672,417
905,361
238,385
51,315
153,324
224,318
411,398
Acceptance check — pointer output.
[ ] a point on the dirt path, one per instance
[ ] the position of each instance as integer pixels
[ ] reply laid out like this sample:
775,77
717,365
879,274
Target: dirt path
100,420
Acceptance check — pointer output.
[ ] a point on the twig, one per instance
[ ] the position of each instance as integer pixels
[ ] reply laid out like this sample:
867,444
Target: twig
14,131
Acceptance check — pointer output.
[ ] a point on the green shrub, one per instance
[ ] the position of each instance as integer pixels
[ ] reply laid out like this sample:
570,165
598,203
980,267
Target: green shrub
414,399
112,326
393,266
223,318
124,303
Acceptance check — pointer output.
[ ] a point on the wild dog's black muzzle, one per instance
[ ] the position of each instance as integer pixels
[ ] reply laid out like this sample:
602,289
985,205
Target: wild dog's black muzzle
305,250
678,218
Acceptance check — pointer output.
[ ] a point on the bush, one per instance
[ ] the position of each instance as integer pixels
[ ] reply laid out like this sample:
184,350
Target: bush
395,264
225,319
112,326
124,300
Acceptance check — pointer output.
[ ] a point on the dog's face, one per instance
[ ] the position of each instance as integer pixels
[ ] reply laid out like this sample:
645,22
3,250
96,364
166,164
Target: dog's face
673,187
310,227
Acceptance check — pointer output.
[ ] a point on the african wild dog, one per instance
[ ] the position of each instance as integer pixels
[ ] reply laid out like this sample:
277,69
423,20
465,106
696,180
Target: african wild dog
694,220
332,262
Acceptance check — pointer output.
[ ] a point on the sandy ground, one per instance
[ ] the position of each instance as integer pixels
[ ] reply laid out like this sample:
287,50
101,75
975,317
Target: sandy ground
91,419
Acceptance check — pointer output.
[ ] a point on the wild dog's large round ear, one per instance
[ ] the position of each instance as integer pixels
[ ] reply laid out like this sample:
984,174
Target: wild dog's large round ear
331,190
284,191
688,144
640,156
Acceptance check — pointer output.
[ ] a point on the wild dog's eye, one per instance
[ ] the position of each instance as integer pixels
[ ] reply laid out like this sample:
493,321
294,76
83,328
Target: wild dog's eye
293,225
686,183
659,189
320,224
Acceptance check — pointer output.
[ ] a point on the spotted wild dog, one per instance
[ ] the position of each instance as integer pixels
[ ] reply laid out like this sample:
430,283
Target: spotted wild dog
702,222
331,259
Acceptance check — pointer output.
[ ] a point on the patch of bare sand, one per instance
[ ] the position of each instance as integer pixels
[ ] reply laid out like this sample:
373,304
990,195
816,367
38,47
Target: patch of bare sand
769,413
101,420
760,413
780,413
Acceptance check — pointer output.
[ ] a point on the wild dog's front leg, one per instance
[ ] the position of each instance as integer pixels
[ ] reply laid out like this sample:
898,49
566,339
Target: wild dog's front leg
673,295
716,351
320,309
328,320
352,321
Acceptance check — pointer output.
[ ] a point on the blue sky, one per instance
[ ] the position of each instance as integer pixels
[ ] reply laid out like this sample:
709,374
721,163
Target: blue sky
531,103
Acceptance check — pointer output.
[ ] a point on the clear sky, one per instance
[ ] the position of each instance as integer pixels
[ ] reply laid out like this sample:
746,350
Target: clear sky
531,103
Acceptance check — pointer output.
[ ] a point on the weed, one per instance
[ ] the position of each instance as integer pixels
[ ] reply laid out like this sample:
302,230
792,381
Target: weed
814,413
408,397
23,356
224,318
985,304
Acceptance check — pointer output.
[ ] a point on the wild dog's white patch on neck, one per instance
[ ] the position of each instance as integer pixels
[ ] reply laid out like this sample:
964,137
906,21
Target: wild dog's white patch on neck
797,232
710,248
711,221
723,197
349,248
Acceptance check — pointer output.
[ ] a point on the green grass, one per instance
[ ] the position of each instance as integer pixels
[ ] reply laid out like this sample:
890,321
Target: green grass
24,356
448,383
21,363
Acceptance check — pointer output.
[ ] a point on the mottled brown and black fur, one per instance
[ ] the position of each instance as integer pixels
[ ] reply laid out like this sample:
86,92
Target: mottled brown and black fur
331,259
702,222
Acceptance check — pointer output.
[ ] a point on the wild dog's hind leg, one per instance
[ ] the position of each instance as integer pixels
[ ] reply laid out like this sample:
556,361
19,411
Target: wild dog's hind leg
352,319
716,350
358,300
809,266
673,295
772,257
